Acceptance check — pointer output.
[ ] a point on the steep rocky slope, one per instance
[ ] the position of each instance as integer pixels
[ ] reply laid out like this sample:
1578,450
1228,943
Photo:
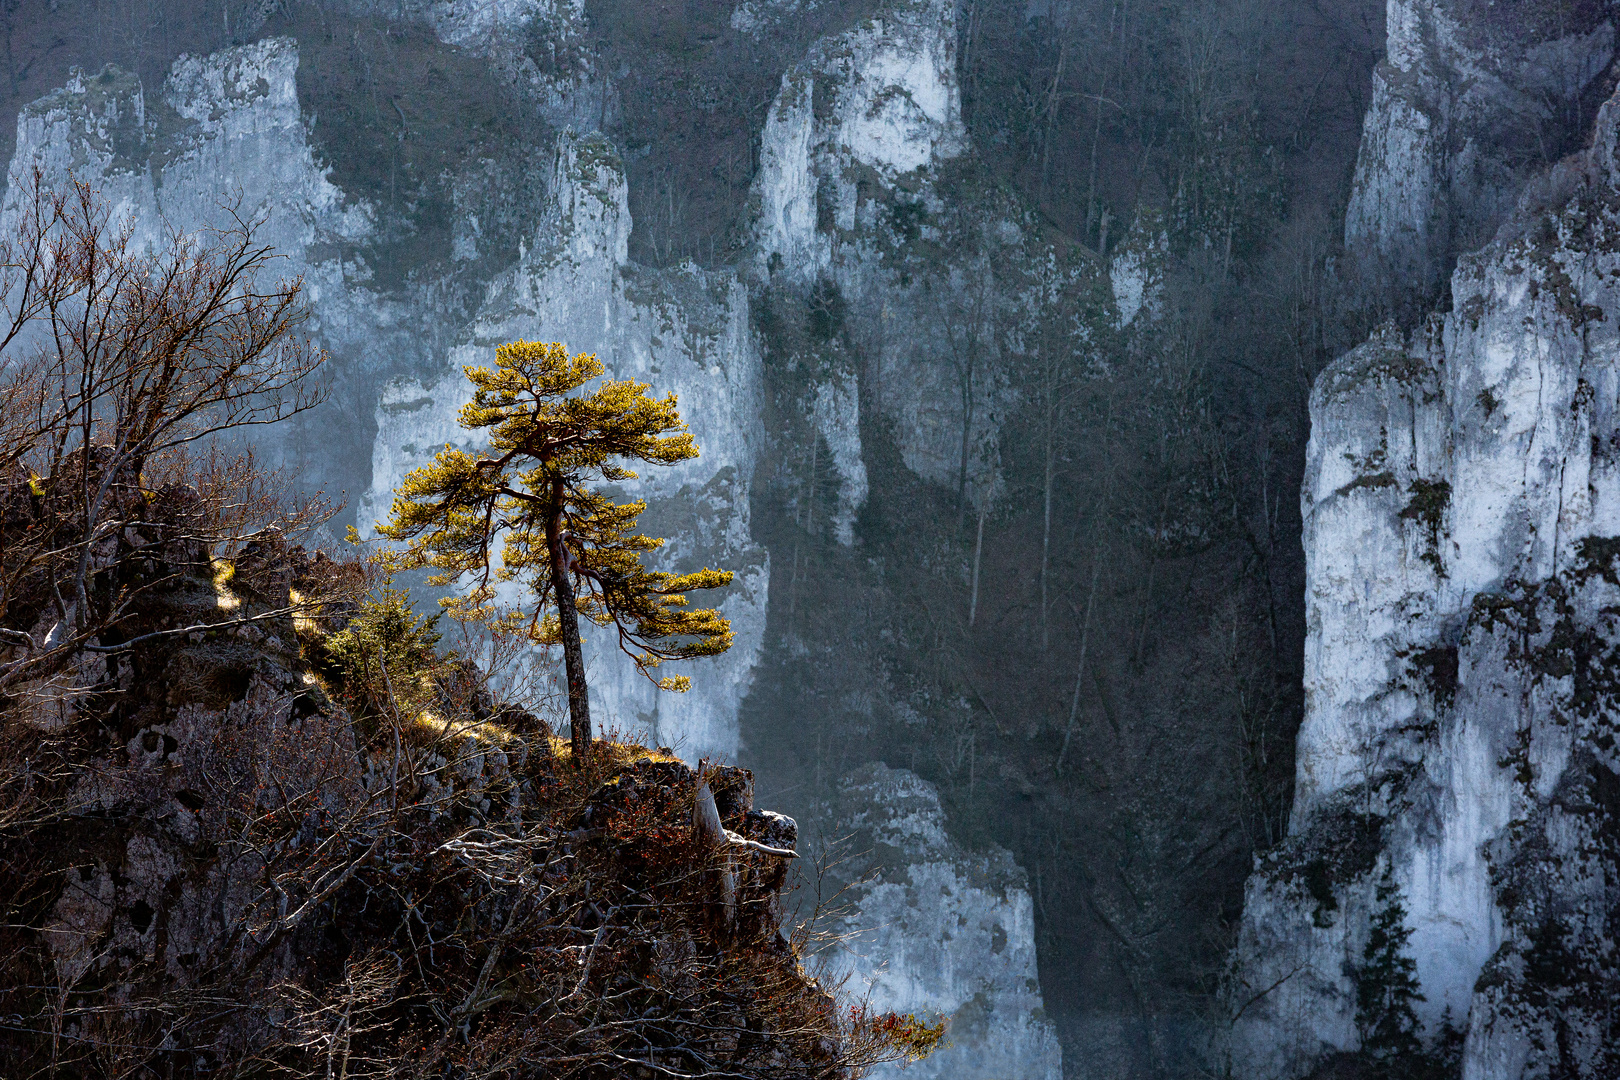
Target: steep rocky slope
1455,815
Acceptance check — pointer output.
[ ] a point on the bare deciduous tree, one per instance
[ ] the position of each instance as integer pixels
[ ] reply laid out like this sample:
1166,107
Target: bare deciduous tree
123,373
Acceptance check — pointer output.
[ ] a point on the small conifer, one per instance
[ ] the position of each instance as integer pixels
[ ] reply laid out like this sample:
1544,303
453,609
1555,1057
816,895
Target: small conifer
1387,983
574,548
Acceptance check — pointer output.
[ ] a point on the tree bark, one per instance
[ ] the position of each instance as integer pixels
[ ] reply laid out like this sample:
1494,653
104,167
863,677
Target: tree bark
965,387
978,549
579,701
1052,100
1080,666
1046,525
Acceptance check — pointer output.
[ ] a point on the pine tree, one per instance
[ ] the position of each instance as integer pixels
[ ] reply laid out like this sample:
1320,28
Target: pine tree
1387,983
574,548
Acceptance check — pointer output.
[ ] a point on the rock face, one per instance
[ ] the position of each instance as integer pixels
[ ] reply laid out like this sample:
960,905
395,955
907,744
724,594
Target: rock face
867,215
941,931
1471,100
882,97
856,219
1457,768
226,132
535,45
849,180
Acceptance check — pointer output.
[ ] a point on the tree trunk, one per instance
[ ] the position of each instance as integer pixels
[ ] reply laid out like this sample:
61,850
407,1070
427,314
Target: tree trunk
1091,600
978,550
1080,666
965,386
712,834
1153,569
1052,100
579,701
1046,529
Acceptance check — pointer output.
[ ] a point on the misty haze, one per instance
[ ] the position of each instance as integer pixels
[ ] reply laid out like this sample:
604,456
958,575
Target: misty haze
961,539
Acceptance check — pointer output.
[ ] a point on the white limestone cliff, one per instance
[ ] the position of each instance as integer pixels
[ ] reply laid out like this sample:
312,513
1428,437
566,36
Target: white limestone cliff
232,116
225,133
1461,500
942,932
1468,103
850,162
836,412
883,97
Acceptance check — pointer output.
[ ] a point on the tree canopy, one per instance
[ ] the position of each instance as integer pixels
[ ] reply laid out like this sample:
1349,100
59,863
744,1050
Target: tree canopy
573,547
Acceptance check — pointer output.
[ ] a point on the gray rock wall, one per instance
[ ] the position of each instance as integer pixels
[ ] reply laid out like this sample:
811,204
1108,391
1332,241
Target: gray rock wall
1471,100
863,126
1458,754
224,132
940,929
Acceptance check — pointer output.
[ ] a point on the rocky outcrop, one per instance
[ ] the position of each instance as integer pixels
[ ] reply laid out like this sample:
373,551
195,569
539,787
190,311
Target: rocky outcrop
1457,767
881,97
939,930
239,850
1471,100
224,135
850,162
